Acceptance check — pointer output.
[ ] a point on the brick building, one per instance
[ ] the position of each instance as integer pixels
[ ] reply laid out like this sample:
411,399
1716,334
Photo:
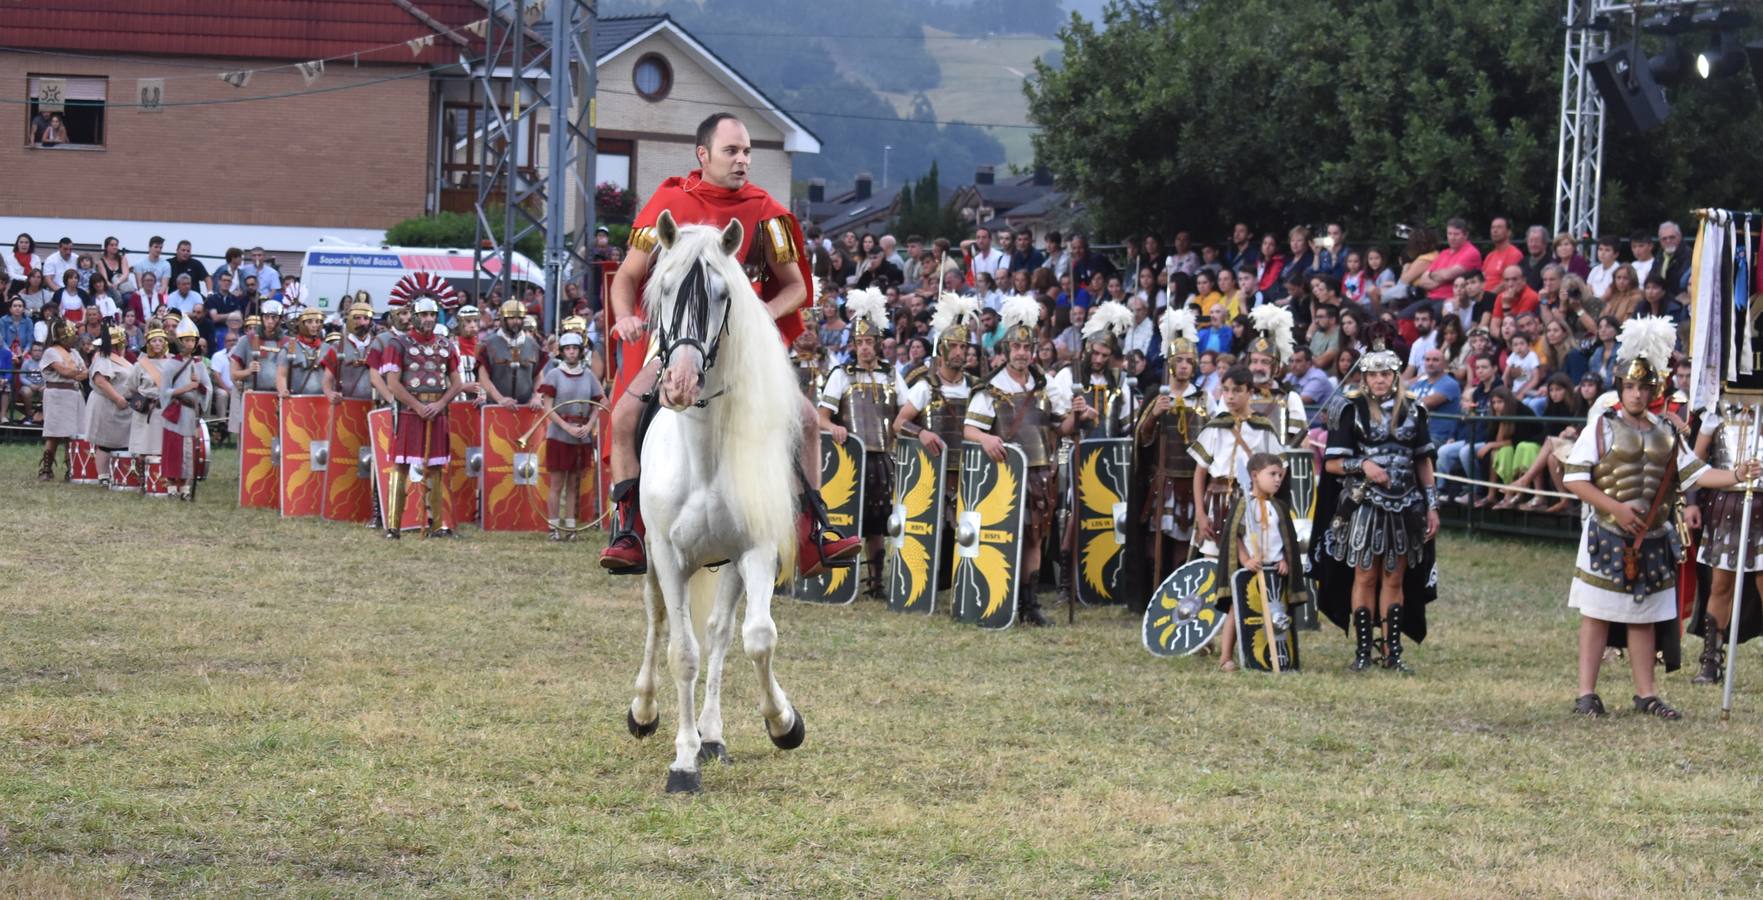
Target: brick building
383,134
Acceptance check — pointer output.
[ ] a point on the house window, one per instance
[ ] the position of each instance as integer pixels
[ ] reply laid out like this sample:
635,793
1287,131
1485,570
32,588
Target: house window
653,77
65,111
613,163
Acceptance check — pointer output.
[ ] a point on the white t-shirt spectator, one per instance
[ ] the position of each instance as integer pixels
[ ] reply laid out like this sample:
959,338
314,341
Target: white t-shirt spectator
1642,268
161,269
1600,278
183,303
223,370
1527,364
990,263
1417,351
54,265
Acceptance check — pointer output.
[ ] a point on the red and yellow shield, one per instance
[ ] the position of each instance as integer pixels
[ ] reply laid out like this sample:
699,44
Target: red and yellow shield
514,472
348,488
259,431
379,427
305,453
464,433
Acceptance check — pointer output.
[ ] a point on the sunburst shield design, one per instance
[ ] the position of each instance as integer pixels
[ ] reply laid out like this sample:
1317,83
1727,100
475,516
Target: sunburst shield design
1101,470
1250,604
915,528
513,486
305,453
259,434
381,426
1168,629
348,490
988,536
841,487
464,435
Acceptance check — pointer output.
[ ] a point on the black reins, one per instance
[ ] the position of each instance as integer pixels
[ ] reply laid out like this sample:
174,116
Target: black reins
691,314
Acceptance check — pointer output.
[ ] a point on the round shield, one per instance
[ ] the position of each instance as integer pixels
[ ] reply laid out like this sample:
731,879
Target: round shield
1171,632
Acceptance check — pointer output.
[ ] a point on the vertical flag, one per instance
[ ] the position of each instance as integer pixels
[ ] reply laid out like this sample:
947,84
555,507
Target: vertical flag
1741,287
1705,327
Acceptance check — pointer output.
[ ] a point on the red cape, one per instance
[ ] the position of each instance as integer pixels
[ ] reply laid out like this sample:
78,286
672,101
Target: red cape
694,201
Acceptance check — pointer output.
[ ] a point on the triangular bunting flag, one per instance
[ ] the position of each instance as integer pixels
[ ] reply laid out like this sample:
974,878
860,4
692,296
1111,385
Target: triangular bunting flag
479,27
237,79
417,45
310,71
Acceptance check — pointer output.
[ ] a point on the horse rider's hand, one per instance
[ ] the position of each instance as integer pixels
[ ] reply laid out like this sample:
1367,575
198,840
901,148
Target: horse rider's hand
507,402
993,446
1375,474
629,328
838,433
1627,520
932,443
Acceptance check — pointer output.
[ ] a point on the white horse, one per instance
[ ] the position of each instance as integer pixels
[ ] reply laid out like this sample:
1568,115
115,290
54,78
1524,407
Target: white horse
716,488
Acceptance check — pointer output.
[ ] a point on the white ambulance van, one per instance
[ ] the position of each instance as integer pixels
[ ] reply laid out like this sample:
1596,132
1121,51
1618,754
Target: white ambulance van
334,271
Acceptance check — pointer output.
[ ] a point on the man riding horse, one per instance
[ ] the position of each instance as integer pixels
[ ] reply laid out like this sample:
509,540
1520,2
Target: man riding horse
774,257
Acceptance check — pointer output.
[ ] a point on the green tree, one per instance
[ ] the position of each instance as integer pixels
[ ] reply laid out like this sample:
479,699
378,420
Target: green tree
923,212
1198,113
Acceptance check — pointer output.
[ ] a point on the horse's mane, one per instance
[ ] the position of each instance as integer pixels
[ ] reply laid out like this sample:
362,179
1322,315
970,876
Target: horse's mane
757,421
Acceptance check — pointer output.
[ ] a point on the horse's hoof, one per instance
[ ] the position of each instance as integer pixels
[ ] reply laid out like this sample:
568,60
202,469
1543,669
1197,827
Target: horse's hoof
684,782
791,739
640,730
716,750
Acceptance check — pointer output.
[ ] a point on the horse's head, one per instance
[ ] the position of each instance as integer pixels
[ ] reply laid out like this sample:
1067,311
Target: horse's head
689,299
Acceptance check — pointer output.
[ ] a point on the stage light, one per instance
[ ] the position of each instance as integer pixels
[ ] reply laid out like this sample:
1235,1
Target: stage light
1722,60
1631,99
1668,66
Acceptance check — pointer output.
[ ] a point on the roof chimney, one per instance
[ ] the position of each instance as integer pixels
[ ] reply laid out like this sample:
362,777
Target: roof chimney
865,182
1043,176
982,175
817,190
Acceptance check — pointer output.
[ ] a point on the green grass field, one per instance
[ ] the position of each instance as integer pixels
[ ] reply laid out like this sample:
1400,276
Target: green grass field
199,700
982,83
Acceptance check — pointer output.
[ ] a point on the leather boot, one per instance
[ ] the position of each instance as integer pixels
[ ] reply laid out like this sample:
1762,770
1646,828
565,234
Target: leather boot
1713,660
624,553
396,483
1362,637
1028,608
46,466
1393,659
819,548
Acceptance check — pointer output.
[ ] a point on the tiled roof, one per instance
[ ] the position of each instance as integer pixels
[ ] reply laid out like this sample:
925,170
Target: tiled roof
610,33
286,30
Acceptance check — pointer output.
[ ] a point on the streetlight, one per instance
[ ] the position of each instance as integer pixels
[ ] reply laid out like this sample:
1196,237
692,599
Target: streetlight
885,149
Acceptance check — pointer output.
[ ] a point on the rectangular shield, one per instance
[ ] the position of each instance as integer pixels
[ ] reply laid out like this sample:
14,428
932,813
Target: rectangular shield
841,486
465,465
513,484
305,449
348,483
381,425
260,433
915,527
1101,478
988,536
1254,651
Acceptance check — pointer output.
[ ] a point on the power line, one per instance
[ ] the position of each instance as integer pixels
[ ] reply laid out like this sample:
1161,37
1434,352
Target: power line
220,101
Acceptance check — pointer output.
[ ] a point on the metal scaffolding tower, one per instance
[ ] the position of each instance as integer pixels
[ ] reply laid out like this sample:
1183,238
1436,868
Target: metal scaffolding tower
537,50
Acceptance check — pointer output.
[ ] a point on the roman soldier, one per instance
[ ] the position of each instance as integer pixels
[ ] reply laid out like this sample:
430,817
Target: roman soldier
1375,562
933,404
1629,467
421,373
511,359
1169,425
809,358
771,253
861,399
569,392
307,359
256,360
1728,435
1268,352
1021,406
397,327
64,406
467,325
348,374
181,395
1100,397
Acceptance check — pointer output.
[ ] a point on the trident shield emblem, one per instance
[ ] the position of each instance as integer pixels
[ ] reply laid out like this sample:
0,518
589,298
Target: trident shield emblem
988,536
915,528
841,486
1101,468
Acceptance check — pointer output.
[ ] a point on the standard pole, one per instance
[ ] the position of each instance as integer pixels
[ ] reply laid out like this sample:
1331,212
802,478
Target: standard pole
1738,581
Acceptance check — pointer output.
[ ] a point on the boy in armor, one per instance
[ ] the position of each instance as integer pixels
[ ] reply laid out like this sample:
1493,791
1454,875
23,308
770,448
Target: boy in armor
1222,452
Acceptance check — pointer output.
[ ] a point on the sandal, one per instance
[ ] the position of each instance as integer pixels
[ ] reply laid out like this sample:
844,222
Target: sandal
1228,665
1653,706
1507,503
1535,504
1559,506
1485,502
1589,705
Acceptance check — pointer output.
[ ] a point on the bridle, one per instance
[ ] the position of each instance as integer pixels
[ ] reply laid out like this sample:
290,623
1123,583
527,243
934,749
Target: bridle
691,314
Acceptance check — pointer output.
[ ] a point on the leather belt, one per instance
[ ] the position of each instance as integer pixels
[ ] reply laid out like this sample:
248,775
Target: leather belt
59,386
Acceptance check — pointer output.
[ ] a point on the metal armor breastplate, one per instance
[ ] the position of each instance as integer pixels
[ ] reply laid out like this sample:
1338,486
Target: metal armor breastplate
1387,439
1109,402
354,382
303,369
1271,407
266,353
868,409
1023,420
511,366
1633,462
808,376
1176,430
427,368
947,416
1725,453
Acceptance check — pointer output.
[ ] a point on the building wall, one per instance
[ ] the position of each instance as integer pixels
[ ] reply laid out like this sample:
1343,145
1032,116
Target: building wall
350,159
664,130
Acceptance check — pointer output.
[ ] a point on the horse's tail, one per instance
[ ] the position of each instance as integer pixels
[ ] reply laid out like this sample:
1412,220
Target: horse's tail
760,425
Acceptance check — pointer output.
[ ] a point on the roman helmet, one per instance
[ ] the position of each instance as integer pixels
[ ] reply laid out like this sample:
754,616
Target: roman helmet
1107,325
271,308
361,308
576,324
1643,350
66,333
955,322
1181,336
869,313
513,310
1272,326
571,339
1021,316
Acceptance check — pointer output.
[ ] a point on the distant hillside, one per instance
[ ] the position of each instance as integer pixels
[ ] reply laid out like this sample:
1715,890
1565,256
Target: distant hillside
982,83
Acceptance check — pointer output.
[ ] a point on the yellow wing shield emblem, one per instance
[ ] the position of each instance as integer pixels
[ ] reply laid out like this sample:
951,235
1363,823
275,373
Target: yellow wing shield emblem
841,487
915,528
988,536
1102,471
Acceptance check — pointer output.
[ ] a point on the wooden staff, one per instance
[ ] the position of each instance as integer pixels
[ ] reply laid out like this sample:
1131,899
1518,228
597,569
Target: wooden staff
1266,589
1747,445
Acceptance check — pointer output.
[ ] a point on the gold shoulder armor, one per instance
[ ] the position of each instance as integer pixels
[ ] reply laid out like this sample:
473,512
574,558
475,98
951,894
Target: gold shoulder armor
917,375
1352,392
643,239
780,241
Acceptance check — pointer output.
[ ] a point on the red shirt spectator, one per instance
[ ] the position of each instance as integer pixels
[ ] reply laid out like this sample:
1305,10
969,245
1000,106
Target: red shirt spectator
1502,253
1458,258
